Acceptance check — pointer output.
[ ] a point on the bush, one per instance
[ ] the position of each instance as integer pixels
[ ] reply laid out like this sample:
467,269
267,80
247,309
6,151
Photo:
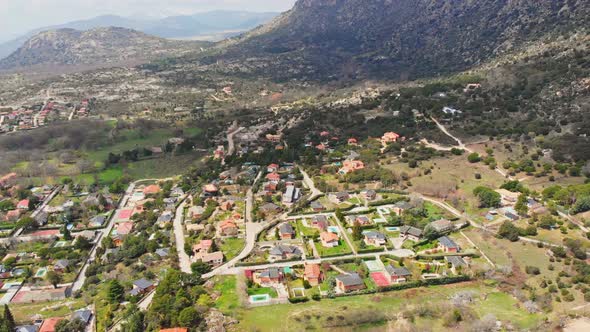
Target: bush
301,299
474,158
316,297
532,270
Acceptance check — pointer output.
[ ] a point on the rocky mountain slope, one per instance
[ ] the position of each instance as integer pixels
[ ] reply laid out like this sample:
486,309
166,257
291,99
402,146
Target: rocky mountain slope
398,39
207,23
101,46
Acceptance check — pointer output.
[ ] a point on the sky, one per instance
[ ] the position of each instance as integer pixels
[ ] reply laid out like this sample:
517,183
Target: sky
20,16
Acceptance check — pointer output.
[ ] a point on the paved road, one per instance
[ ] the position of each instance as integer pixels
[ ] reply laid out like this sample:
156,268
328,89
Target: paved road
183,258
40,208
231,148
315,192
399,253
79,282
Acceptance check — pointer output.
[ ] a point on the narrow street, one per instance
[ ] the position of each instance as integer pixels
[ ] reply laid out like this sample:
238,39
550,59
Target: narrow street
183,258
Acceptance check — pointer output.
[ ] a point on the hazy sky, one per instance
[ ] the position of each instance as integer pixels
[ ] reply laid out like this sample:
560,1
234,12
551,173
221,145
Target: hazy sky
19,16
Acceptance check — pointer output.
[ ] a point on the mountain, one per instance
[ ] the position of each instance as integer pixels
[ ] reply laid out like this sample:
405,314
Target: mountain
397,39
207,23
100,46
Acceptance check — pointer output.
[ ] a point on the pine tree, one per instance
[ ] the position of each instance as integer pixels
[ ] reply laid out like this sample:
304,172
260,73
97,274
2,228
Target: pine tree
8,318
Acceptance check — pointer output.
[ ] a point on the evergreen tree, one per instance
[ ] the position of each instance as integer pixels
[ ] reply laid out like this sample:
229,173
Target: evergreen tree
357,232
521,205
8,318
115,291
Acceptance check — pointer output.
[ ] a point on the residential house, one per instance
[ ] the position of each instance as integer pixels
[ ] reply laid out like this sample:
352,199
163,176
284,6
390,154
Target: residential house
352,141
410,233
272,168
282,252
373,238
196,212
84,315
291,195
226,205
349,282
151,189
26,328
141,287
389,137
457,263
447,244
203,246
49,324
397,274
210,190
313,274
286,231
23,204
273,177
319,222
124,228
228,228
270,208
12,215
97,221
214,259
329,239
342,197
316,206
451,111
61,265
163,252
362,219
442,225
399,207
269,276
508,197
349,166
369,194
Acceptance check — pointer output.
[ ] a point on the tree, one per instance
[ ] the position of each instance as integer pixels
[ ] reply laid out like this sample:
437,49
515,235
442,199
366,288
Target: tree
488,198
200,268
188,317
431,233
75,325
115,291
521,205
509,231
8,318
357,232
66,233
7,205
474,158
54,278
83,243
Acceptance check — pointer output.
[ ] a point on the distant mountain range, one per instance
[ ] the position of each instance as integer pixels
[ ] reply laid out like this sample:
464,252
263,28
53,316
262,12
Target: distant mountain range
217,23
110,46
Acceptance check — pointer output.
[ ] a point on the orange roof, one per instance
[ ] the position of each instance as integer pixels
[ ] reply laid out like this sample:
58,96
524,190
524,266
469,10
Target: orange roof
211,188
175,329
124,228
312,270
49,324
151,189
329,237
227,223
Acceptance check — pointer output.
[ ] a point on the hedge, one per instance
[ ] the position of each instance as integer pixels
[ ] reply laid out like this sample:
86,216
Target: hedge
388,201
370,250
300,299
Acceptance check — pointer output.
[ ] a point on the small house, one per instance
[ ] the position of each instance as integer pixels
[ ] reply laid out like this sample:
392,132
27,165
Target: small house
282,252
411,233
376,239
349,282
329,239
319,222
448,245
286,231
397,274
313,274
141,286
228,228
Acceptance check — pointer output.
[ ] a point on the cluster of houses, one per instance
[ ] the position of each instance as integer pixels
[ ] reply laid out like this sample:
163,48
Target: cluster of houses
30,117
508,202
85,315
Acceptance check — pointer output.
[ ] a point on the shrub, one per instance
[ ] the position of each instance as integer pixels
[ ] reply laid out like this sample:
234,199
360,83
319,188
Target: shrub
532,270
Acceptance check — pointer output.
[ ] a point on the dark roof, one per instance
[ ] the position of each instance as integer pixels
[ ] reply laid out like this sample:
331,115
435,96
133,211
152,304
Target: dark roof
352,279
63,263
397,271
143,283
26,328
99,219
282,249
271,272
286,228
316,205
374,235
270,207
83,315
163,252
410,230
447,242
342,195
320,218
456,261
403,205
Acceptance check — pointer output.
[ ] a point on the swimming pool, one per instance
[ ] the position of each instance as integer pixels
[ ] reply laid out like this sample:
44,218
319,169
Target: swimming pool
392,229
41,272
333,229
260,298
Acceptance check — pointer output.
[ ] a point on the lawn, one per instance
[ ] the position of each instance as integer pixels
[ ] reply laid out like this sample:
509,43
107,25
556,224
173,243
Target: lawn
341,249
232,247
229,301
263,290
306,231
320,315
23,312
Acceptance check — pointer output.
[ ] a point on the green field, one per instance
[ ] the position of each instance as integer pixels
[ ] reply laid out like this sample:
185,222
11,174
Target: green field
232,247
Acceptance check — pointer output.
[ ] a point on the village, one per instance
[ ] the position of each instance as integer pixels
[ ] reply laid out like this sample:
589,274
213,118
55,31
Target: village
288,232
13,119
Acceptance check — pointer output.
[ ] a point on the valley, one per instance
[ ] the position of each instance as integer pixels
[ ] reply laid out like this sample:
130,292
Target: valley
347,166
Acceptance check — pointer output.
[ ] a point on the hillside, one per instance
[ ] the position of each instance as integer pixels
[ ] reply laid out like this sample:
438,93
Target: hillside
397,39
195,26
101,46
